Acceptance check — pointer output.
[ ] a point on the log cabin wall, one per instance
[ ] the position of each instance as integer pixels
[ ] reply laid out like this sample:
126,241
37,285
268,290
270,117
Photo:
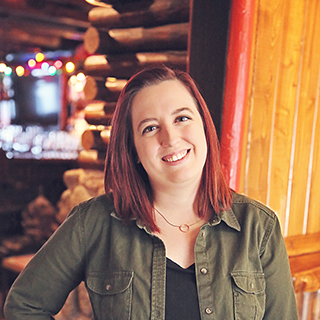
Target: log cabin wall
281,164
121,40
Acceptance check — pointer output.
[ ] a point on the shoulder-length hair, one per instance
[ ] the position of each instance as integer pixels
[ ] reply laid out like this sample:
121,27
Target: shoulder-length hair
126,178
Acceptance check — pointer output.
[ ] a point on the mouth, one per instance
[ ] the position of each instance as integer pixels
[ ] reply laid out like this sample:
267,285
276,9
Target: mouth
176,157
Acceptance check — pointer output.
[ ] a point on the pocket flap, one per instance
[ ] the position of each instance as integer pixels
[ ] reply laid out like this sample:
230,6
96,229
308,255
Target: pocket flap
249,282
109,283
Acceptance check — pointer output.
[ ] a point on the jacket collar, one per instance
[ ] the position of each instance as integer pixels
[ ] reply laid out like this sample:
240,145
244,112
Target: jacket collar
228,217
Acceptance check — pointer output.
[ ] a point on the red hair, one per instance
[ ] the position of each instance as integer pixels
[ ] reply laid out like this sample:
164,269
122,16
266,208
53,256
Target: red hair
131,189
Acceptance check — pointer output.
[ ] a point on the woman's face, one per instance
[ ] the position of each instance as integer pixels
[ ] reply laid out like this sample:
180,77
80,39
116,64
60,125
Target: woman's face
169,135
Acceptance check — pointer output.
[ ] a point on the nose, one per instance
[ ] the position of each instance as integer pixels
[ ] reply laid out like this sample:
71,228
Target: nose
168,136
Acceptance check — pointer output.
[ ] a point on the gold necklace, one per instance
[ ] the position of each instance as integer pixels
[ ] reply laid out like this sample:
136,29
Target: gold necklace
182,227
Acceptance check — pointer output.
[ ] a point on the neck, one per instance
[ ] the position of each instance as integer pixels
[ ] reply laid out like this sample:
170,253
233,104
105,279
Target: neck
175,200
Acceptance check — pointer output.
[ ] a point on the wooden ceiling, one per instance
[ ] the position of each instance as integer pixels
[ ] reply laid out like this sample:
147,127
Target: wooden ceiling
47,25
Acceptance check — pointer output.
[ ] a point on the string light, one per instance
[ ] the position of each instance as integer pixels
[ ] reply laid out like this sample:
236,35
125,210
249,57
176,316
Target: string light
39,57
52,70
45,66
58,64
70,67
20,71
31,63
8,71
2,67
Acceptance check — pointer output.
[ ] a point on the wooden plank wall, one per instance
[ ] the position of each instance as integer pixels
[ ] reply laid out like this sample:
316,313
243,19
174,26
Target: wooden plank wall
282,147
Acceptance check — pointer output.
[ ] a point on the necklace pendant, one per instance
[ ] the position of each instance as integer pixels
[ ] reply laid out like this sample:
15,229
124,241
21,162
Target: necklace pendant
184,228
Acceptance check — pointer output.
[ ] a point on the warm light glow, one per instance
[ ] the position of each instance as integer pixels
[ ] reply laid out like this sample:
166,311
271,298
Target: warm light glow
39,57
81,76
79,87
70,67
32,63
2,67
52,70
58,64
20,71
99,4
73,80
8,71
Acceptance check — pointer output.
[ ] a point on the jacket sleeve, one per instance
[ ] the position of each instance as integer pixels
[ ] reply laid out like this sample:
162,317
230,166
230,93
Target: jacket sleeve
42,287
280,297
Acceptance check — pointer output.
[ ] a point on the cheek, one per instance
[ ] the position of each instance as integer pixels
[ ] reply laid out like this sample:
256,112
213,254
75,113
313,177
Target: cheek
144,150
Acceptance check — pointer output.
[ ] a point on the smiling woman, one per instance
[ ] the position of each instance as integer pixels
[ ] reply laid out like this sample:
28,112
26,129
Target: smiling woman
169,136
169,240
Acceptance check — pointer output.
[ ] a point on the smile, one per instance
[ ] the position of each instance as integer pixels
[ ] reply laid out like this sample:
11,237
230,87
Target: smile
175,157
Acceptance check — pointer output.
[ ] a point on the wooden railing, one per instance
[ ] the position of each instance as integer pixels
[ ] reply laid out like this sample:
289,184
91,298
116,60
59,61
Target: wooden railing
304,256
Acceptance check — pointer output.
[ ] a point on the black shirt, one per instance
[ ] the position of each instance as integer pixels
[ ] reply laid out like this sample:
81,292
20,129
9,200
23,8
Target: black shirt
181,293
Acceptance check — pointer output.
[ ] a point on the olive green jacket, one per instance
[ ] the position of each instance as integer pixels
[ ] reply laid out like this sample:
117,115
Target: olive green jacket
242,268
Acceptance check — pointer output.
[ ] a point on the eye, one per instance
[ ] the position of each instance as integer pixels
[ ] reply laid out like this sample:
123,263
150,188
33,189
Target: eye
149,129
182,119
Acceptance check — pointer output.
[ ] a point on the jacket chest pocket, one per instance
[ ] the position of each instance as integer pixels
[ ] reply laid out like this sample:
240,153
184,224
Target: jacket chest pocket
111,294
248,295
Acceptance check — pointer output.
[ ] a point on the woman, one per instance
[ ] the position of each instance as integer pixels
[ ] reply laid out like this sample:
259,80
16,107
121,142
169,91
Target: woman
170,241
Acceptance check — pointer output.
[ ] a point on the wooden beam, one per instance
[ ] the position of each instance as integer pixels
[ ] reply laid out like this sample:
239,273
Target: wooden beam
167,37
103,89
99,113
18,36
49,13
125,65
160,12
42,28
95,138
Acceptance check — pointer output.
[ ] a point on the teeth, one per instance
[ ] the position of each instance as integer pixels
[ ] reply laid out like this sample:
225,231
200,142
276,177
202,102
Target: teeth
175,157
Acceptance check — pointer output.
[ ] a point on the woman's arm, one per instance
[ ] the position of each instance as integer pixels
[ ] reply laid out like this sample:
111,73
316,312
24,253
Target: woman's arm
41,289
280,298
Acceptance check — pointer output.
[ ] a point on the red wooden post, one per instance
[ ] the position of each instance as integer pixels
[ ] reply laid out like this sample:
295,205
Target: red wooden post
236,88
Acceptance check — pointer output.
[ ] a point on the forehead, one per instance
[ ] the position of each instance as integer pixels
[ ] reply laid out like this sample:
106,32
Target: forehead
166,94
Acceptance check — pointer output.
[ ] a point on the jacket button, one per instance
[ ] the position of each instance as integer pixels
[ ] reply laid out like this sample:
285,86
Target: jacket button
208,310
204,270
108,287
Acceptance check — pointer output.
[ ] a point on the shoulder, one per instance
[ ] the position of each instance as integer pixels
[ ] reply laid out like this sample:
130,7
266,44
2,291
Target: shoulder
94,211
259,222
243,204
253,215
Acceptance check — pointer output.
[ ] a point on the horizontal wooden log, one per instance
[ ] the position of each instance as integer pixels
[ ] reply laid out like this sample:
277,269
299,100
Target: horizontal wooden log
160,12
125,65
119,2
303,244
304,258
48,11
91,159
97,138
99,113
16,36
103,89
163,38
307,281
42,28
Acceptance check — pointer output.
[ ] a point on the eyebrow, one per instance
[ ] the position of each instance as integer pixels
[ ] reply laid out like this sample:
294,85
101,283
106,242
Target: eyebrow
177,111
